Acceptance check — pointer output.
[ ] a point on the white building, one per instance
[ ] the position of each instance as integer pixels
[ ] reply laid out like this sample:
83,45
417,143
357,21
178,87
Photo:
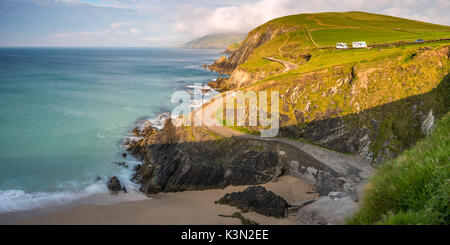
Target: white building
341,46
359,45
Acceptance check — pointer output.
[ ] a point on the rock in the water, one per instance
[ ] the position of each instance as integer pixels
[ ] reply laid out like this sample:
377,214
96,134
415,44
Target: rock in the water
114,184
258,199
124,154
122,164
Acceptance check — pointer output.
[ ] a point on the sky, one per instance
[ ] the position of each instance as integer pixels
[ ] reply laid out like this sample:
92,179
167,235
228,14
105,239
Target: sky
167,23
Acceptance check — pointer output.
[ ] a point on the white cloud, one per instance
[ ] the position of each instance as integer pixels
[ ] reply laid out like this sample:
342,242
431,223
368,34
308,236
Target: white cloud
198,21
134,31
82,34
119,25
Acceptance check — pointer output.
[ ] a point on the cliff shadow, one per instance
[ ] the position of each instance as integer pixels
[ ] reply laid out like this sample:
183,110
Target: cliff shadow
380,132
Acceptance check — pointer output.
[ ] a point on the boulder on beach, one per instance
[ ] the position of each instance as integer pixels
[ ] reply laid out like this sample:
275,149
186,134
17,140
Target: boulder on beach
257,199
114,185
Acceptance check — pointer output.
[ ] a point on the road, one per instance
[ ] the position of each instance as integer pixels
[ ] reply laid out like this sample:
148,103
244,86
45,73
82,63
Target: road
287,65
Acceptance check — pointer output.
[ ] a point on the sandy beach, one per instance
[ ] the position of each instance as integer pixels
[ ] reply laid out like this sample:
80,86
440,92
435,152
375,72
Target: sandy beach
189,207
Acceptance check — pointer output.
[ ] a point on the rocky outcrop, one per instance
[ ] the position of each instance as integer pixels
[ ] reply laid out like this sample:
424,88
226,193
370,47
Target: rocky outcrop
257,199
220,84
326,183
173,162
232,48
241,78
222,65
114,185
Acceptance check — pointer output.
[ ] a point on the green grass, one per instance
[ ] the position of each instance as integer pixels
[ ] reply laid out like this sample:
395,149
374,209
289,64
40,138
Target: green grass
326,30
353,19
219,117
327,58
328,38
413,188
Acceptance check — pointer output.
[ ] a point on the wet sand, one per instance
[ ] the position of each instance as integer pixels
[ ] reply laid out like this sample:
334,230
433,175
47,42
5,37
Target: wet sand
188,207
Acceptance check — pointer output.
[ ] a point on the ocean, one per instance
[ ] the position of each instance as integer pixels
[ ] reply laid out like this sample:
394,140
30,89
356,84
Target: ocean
65,111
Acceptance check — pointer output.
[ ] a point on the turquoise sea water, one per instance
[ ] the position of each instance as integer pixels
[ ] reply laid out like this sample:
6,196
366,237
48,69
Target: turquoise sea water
63,113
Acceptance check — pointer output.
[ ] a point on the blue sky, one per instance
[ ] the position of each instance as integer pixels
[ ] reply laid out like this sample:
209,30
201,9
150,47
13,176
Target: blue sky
171,22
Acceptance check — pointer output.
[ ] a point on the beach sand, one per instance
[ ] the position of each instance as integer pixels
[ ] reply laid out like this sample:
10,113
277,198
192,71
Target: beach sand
188,207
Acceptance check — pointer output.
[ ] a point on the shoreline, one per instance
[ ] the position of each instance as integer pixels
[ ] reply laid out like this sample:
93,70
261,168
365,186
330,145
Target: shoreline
170,208
100,199
106,198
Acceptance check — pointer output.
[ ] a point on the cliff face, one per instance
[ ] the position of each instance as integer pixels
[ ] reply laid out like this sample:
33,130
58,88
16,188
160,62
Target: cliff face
240,78
375,111
256,38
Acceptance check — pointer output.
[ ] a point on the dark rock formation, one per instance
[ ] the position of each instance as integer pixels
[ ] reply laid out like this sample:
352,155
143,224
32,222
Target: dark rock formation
237,215
222,65
257,199
326,183
172,162
220,84
114,184
121,164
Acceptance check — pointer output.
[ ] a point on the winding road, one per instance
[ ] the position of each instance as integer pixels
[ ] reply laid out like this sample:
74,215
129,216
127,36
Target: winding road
288,66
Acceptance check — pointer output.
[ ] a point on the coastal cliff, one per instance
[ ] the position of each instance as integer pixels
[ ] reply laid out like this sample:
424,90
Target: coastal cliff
180,158
376,102
373,103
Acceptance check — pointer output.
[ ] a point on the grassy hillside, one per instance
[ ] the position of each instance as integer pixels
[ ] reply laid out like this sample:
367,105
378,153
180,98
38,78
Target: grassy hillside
329,28
308,32
414,188
366,101
219,41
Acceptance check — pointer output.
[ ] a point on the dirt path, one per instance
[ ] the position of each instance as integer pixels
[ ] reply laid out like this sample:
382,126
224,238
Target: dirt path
310,38
280,51
288,66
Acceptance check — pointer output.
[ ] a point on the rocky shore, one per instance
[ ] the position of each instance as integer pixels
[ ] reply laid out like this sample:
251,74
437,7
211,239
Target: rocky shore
176,159
173,160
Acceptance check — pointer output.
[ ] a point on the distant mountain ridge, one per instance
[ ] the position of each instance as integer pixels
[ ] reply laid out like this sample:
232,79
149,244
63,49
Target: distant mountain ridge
219,41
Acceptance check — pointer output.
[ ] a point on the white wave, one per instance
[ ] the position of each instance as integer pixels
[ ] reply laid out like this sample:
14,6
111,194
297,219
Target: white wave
198,86
198,67
19,200
158,122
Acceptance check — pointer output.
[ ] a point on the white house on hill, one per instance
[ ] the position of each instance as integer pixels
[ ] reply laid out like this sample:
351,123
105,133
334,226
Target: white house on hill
341,46
359,45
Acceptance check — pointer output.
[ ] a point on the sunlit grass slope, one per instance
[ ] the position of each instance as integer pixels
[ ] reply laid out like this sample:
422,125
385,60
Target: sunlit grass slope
413,188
